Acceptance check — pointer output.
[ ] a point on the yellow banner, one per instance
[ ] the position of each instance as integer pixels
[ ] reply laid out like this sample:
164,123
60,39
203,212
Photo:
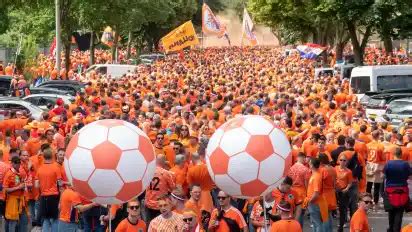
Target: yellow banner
181,37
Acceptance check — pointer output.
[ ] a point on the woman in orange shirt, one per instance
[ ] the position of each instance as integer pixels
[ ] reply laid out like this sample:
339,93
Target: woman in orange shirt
343,183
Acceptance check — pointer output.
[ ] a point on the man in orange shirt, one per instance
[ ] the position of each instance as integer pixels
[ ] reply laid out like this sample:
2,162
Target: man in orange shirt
48,180
161,184
359,221
287,222
374,167
70,205
179,173
194,203
217,220
15,186
314,201
284,193
133,222
198,174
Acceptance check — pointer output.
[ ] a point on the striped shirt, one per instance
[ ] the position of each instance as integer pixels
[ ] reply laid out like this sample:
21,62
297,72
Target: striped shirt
173,224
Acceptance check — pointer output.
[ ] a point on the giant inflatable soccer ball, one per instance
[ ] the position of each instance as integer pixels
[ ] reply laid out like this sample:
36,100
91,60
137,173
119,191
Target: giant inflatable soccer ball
110,161
248,156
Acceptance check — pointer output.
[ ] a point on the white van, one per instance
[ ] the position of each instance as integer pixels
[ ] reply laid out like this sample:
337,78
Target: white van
378,78
112,70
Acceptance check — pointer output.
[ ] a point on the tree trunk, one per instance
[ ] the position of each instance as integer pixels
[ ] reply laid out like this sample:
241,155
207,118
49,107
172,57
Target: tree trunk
339,51
387,42
357,51
91,59
129,45
114,47
67,46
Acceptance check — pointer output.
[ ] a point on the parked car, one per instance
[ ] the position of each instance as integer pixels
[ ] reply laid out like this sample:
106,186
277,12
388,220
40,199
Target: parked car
5,82
398,110
14,104
72,87
44,100
41,90
112,70
378,104
151,58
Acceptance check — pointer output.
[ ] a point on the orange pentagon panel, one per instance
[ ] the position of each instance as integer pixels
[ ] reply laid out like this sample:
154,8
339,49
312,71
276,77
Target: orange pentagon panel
110,123
233,124
129,190
106,155
253,189
146,148
84,189
259,147
219,162
72,145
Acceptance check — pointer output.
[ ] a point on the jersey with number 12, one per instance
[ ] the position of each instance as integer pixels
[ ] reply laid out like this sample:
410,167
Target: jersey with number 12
161,184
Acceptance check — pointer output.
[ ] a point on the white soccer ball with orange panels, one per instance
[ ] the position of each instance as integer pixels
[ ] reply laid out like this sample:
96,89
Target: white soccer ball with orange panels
110,161
248,156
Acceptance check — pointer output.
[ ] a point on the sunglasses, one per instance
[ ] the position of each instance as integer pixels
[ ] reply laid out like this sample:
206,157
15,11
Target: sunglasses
221,198
342,160
134,207
176,148
160,138
184,129
368,202
187,219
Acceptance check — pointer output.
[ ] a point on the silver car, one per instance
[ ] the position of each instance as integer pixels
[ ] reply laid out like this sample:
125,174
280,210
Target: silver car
43,100
13,104
398,110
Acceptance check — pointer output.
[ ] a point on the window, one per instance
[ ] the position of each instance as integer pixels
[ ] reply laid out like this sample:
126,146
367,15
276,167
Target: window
400,107
47,100
394,82
32,100
361,84
102,70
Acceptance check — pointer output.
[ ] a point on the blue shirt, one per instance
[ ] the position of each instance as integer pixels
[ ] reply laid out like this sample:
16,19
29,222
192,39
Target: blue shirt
396,173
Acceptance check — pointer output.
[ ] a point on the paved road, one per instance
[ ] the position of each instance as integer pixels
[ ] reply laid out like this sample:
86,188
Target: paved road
377,220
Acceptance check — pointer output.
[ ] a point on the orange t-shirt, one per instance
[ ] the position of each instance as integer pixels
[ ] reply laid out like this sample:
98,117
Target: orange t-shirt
314,185
127,226
13,179
48,174
231,213
179,175
359,221
68,200
198,174
328,186
407,228
286,225
343,177
161,184
291,197
375,152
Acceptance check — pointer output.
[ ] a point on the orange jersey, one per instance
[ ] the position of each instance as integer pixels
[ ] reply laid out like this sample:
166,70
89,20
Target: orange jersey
127,226
161,184
286,225
375,152
231,213
359,221
343,177
68,200
315,185
48,175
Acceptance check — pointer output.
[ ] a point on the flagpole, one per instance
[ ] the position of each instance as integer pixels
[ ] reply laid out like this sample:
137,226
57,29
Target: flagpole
203,35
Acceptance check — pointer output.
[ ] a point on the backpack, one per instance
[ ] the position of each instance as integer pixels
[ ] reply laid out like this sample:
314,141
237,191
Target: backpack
355,166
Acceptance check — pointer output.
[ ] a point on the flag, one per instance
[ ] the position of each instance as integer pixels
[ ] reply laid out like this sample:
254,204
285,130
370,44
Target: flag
182,37
247,29
310,50
52,50
108,36
210,24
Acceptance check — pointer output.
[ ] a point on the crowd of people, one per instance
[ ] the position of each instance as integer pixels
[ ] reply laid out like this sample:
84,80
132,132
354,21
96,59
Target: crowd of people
344,165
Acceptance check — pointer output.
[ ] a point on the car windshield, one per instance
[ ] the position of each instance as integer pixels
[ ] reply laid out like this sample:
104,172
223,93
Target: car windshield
401,107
